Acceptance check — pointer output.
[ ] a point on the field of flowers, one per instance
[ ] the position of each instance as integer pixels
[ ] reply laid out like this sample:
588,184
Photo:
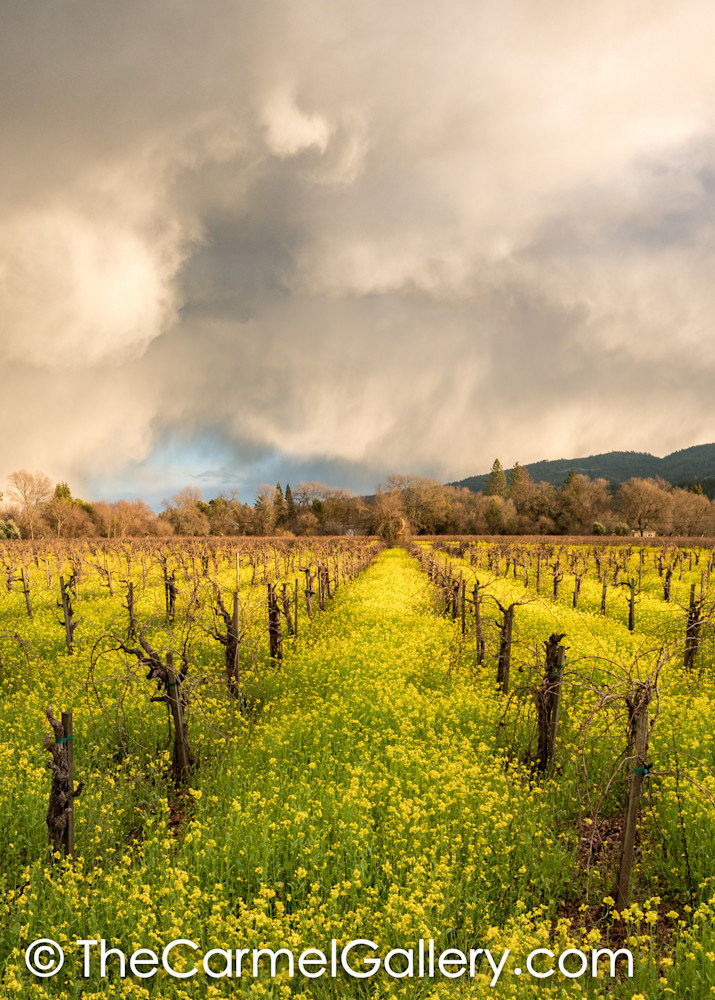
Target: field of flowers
373,784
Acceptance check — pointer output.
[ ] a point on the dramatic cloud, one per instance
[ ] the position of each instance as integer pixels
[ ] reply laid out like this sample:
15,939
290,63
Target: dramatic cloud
317,238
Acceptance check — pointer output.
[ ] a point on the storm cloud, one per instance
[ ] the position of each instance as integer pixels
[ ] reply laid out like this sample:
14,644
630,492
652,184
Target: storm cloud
321,239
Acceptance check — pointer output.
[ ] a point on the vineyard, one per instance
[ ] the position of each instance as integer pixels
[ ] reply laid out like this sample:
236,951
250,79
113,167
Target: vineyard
256,744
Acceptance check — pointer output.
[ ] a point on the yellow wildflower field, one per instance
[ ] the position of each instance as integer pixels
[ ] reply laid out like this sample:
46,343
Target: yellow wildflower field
366,822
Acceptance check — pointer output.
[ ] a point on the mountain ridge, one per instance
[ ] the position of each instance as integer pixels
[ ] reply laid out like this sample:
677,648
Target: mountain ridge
684,467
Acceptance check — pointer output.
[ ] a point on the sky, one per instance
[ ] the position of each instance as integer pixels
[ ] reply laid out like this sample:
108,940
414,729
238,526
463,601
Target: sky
318,239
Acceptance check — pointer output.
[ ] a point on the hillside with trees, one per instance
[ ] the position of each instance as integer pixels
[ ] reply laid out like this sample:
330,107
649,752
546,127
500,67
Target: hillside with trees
687,467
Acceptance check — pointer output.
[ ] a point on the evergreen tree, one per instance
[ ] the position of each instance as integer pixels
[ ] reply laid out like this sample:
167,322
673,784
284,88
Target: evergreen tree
290,504
496,484
279,506
515,475
521,488
263,515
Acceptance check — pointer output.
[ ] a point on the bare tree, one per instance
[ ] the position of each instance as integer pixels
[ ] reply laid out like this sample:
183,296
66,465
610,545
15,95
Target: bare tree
646,503
389,520
185,514
423,501
30,490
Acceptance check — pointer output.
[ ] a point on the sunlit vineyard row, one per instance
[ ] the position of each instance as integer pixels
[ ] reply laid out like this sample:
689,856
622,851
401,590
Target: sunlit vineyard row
584,593
362,775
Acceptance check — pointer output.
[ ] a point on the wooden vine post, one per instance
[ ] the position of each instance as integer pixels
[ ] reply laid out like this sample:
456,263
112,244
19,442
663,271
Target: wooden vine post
557,689
68,615
692,631
234,678
548,701
275,635
576,589
505,633
478,625
286,603
321,588
68,737
632,605
173,695
454,599
637,759
132,627
60,811
295,608
309,592
26,591
110,580
631,584
558,575
170,591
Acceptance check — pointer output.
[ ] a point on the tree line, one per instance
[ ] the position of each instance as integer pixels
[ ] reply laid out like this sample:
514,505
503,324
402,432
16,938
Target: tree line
512,504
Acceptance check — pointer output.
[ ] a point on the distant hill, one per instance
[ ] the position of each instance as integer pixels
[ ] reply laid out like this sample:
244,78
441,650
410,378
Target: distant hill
682,468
